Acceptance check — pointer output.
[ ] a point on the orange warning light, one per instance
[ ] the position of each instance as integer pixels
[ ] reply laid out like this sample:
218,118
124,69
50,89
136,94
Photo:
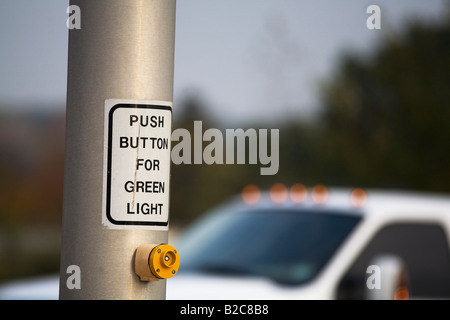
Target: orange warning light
251,194
402,293
319,194
278,193
298,193
358,197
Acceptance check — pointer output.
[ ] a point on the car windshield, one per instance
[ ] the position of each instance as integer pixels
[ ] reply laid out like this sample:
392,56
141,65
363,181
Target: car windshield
289,246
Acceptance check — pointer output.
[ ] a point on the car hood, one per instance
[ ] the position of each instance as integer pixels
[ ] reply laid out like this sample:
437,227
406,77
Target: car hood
211,287
39,288
180,287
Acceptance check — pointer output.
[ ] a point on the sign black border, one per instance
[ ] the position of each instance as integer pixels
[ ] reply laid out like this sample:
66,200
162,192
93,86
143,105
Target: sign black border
109,164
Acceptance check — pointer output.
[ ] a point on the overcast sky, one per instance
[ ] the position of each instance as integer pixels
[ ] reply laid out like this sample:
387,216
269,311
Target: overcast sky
247,58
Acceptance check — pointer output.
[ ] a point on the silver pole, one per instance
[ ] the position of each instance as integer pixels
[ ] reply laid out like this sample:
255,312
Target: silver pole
124,50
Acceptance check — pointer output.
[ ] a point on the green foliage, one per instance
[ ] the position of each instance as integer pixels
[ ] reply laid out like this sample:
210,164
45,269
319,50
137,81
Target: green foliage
386,118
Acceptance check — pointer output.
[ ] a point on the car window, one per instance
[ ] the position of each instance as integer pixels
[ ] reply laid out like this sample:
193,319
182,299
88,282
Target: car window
424,249
285,245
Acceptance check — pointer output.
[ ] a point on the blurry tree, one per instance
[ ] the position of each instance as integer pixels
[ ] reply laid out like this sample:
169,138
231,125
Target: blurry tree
31,181
386,117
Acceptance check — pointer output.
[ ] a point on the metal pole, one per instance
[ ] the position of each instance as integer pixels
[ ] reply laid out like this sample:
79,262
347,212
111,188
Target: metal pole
124,50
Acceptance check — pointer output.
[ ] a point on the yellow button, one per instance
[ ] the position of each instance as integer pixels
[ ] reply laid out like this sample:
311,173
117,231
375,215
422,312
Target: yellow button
164,261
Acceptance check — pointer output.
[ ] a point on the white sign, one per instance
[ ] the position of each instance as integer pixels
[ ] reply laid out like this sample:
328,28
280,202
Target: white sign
137,164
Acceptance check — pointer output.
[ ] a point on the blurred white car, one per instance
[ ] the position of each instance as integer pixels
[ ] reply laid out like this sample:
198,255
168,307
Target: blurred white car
295,244
328,245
